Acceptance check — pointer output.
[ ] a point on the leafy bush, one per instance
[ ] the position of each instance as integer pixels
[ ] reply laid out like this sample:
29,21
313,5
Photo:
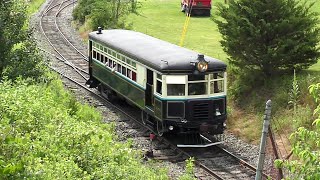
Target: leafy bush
105,13
19,55
46,134
306,147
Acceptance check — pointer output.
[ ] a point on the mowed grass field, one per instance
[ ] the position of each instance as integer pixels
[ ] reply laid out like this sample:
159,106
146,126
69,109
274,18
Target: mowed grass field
164,20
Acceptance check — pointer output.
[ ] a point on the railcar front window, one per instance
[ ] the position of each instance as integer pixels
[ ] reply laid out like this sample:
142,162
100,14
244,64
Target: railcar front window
197,88
175,89
197,84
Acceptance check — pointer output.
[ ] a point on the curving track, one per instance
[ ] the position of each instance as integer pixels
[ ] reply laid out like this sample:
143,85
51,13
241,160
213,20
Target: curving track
63,48
212,163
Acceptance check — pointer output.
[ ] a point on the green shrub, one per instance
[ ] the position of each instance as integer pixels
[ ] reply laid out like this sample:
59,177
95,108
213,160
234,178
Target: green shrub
46,134
18,51
114,14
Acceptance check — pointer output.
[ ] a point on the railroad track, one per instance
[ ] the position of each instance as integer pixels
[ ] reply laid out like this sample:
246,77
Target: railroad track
211,163
63,48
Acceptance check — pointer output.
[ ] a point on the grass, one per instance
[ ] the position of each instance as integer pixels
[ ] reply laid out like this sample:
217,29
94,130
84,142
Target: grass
34,6
164,20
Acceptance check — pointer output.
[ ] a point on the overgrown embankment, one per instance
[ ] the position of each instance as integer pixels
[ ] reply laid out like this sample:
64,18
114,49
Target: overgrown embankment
46,134
292,106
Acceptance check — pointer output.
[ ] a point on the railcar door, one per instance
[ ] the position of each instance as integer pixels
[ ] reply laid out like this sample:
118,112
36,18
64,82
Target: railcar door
149,90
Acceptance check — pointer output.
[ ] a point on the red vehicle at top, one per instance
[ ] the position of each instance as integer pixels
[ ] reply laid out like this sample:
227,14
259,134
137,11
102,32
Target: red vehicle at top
196,7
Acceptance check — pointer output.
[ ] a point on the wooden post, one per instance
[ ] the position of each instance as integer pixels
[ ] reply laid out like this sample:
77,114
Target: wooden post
264,135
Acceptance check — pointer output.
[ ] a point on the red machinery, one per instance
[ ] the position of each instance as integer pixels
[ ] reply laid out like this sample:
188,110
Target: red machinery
197,7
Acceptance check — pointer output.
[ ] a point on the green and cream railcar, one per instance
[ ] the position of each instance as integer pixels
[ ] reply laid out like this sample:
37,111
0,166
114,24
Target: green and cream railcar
175,88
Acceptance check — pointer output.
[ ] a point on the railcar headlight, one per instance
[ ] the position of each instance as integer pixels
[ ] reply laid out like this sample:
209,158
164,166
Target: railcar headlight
202,64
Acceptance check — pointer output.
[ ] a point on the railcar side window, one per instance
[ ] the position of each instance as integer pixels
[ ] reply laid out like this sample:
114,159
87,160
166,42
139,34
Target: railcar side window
159,84
217,82
94,54
124,71
134,64
129,73
134,76
120,62
98,56
175,89
119,68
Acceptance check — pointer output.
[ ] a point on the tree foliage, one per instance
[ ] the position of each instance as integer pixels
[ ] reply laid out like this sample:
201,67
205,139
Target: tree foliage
105,13
18,52
306,147
269,36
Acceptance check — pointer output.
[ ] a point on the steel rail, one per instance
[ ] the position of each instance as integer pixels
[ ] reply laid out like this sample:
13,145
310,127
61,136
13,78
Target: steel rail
246,164
64,37
77,69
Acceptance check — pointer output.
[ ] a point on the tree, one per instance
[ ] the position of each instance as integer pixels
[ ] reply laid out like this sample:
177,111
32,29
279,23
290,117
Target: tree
105,13
269,36
18,51
306,147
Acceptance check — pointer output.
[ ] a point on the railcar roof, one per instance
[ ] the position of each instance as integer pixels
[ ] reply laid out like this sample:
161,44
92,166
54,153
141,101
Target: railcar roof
155,53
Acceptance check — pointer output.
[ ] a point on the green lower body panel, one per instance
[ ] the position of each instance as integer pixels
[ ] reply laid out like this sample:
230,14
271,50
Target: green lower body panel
119,84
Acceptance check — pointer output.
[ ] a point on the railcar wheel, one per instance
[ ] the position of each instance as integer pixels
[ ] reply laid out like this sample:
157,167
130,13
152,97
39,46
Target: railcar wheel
144,117
106,93
160,128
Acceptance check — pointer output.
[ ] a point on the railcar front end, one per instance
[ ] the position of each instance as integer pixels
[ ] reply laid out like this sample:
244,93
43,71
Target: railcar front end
192,103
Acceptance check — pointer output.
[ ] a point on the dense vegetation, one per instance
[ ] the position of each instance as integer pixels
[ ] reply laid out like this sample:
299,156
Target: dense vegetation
46,134
306,147
104,13
19,56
